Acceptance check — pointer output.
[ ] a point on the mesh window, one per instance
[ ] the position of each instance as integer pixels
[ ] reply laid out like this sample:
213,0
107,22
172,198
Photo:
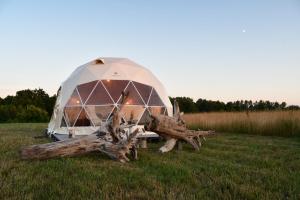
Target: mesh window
144,91
85,90
71,114
115,88
133,97
132,113
157,110
99,96
83,119
145,118
155,99
99,114
74,99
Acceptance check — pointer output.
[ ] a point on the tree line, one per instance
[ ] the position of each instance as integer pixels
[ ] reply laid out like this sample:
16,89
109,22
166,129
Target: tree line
37,106
187,105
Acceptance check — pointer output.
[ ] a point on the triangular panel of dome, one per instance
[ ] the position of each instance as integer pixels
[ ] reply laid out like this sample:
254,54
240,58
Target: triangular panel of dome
133,97
85,90
74,99
145,117
132,113
83,119
144,91
99,96
71,114
155,99
63,122
115,88
157,110
99,114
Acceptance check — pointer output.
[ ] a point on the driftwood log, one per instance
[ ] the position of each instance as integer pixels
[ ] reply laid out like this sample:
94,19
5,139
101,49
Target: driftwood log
107,140
174,129
79,146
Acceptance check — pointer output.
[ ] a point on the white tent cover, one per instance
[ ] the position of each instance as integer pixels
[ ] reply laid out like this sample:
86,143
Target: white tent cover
87,98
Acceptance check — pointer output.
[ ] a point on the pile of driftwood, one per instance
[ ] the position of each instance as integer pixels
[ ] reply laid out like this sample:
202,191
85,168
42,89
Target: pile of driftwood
110,139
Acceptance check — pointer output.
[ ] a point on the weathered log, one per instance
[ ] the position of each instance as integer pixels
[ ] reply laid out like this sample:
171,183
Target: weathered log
82,145
168,127
121,149
174,129
99,141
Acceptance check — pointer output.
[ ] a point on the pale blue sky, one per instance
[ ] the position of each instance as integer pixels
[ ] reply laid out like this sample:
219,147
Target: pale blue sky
219,50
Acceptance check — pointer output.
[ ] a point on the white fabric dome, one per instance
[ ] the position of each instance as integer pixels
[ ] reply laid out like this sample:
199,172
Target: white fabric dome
93,90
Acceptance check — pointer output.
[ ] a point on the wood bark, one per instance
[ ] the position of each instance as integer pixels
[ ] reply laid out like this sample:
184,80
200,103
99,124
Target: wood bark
117,149
174,129
82,145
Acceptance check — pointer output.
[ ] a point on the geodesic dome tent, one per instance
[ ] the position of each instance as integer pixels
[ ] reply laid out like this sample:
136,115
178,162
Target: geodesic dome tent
88,97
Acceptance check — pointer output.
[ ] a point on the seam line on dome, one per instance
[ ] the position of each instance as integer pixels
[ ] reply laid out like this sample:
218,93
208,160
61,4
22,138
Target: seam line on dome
150,96
88,115
106,120
124,90
79,96
141,116
139,93
74,106
90,93
107,91
104,105
77,117
63,117
66,118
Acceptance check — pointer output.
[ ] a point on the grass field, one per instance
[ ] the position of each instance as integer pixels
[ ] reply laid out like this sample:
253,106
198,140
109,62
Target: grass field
228,166
278,123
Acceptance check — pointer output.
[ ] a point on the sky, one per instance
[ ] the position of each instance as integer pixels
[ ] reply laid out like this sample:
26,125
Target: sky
218,50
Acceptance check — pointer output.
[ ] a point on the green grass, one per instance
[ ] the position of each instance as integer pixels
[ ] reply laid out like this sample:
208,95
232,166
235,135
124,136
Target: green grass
228,166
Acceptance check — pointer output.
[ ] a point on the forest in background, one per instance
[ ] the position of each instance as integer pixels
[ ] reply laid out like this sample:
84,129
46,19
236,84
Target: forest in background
37,106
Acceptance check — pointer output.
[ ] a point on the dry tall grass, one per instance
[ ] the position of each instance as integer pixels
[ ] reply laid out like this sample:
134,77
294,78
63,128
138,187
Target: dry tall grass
280,123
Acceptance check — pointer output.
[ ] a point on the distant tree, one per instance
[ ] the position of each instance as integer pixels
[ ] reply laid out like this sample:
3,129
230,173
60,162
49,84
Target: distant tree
186,104
283,105
8,113
38,97
276,106
8,100
32,114
207,106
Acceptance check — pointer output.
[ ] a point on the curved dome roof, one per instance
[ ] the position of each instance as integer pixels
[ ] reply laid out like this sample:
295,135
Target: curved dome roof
112,69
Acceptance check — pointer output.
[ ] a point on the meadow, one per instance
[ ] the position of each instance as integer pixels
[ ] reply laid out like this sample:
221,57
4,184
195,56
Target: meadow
228,166
271,123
